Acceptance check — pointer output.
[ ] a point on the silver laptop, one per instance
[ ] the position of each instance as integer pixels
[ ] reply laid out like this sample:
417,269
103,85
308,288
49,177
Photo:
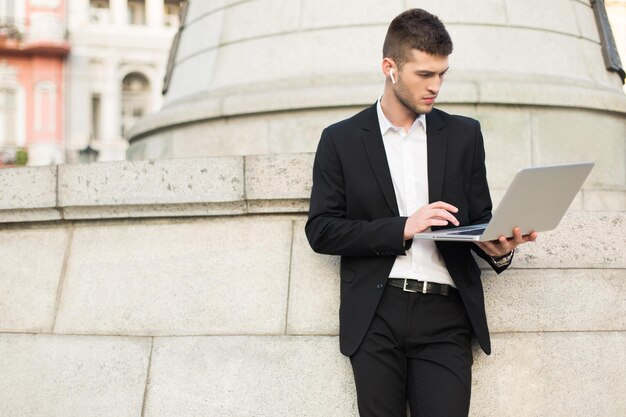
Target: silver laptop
536,201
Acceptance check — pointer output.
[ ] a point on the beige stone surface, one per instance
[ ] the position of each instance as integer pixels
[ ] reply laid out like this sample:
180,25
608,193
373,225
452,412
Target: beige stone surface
551,374
605,200
317,14
284,176
201,33
451,12
278,206
28,188
236,136
308,57
185,82
29,215
242,22
72,376
249,376
540,14
586,21
314,288
548,300
569,135
216,276
155,210
31,263
506,133
152,182
554,58
581,240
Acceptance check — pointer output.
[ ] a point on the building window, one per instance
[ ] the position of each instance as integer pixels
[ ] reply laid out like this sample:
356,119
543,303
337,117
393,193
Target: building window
99,11
135,100
136,12
8,129
45,106
95,116
171,11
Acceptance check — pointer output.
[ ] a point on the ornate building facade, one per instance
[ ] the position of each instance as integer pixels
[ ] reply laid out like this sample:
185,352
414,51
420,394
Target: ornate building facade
117,65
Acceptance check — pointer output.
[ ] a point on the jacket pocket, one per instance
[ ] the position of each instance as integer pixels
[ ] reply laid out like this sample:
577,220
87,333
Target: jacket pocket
346,275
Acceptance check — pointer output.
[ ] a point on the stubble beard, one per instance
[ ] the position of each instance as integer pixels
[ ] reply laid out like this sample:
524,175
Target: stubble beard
406,99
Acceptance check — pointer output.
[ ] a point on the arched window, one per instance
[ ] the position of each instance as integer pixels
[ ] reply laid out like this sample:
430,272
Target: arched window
135,99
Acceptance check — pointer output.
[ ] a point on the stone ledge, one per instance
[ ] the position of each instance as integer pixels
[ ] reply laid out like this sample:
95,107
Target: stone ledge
28,188
172,181
208,186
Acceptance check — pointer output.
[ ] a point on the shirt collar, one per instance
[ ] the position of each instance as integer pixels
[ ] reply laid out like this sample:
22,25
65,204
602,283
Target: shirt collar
385,124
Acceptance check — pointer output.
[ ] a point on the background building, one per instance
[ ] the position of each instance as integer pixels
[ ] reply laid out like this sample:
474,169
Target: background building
116,69
33,51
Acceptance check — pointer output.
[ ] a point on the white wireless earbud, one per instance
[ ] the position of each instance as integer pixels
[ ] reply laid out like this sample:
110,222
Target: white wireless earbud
393,80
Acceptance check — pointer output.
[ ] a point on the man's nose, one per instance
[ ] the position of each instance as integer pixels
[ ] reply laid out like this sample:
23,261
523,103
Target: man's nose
435,85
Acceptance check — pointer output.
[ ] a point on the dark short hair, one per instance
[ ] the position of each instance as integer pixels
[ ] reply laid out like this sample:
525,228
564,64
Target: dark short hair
416,29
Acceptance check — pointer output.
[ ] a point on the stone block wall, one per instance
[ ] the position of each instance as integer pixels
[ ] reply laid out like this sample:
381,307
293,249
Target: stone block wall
187,288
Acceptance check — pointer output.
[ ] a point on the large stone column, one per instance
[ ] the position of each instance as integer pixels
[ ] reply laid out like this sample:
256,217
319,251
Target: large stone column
531,72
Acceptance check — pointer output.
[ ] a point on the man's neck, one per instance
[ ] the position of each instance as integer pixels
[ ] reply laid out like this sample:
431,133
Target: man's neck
396,112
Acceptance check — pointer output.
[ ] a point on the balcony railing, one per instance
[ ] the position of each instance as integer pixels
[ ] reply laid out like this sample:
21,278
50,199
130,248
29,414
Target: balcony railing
11,28
46,28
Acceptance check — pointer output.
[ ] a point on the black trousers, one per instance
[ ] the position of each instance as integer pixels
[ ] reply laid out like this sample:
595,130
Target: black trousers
417,350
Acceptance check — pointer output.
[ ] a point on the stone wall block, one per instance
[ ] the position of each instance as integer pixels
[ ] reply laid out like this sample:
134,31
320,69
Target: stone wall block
249,376
604,200
72,376
548,300
551,374
569,135
281,176
302,64
586,21
171,181
491,12
212,276
314,289
242,21
506,133
28,188
317,14
31,262
581,240
539,14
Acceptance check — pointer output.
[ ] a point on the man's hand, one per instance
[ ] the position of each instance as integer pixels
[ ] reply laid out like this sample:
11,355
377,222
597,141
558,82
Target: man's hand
504,246
434,214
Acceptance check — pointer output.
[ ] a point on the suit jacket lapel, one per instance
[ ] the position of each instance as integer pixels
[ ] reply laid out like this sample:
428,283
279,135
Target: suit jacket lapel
436,154
375,149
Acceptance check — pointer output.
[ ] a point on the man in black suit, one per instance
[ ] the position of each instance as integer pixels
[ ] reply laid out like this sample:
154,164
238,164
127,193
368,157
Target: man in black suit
408,307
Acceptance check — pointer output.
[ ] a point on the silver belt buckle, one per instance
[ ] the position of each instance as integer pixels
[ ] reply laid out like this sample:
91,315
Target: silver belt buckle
404,288
424,287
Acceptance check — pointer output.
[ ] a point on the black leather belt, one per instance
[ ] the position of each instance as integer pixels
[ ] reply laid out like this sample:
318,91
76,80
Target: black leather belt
425,287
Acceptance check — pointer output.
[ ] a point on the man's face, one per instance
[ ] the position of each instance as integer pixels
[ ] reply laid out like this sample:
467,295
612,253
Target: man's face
419,81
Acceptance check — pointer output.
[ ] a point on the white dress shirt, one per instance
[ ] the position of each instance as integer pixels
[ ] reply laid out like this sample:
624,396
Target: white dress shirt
406,155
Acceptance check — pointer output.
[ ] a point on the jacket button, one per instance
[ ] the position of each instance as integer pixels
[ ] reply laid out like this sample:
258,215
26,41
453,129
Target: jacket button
380,286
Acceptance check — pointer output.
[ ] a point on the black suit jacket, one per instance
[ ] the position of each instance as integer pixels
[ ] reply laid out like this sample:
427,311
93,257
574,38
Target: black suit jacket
354,213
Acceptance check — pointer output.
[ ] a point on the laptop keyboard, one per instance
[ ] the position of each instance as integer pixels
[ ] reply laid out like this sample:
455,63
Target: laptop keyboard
470,232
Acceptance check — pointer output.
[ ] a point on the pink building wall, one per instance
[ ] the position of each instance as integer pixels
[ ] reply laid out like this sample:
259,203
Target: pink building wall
39,58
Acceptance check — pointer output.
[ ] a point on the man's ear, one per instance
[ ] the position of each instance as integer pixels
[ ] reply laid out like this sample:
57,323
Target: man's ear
390,70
